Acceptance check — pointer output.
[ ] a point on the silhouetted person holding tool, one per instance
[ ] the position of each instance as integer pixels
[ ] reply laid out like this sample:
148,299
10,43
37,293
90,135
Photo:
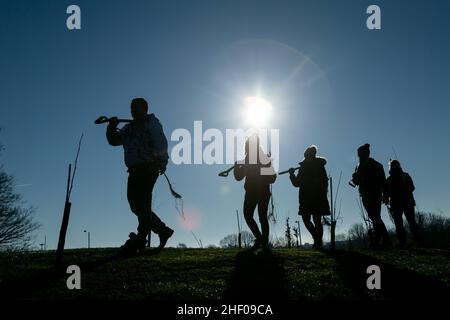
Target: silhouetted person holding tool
258,172
312,182
370,177
400,199
145,149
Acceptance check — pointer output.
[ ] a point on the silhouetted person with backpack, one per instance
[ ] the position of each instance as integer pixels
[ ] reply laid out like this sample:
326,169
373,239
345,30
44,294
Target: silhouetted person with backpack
312,182
399,196
370,177
258,172
145,149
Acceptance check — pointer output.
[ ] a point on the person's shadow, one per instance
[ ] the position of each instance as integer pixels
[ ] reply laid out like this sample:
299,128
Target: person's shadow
256,276
396,282
24,287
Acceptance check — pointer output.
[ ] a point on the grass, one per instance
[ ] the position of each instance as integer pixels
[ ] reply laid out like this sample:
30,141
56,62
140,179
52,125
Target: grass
220,274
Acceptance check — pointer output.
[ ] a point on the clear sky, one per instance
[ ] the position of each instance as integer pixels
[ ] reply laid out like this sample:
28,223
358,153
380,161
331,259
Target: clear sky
332,82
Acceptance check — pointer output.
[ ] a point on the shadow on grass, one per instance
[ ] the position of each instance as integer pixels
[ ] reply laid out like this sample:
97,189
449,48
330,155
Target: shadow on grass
25,285
396,283
256,276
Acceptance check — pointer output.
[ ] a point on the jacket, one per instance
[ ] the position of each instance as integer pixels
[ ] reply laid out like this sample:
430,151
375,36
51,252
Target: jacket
370,178
399,189
312,181
258,176
143,142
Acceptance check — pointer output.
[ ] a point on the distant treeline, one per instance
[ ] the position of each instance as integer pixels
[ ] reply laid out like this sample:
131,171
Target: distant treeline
434,228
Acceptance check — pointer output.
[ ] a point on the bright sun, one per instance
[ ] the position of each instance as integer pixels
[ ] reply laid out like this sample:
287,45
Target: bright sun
257,111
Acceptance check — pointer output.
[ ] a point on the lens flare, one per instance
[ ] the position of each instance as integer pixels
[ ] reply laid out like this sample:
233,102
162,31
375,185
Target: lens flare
191,219
257,111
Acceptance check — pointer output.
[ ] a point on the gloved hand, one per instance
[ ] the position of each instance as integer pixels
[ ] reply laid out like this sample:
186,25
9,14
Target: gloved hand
291,171
113,123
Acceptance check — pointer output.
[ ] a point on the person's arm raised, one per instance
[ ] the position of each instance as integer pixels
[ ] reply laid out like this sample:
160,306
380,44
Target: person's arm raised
239,171
114,135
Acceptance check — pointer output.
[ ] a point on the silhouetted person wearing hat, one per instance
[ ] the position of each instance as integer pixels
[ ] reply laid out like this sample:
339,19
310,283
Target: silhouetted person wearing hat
312,182
258,172
370,177
399,196
145,149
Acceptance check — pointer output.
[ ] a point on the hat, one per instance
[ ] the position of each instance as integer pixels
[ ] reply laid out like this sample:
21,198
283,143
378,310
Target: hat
139,102
311,151
394,164
364,149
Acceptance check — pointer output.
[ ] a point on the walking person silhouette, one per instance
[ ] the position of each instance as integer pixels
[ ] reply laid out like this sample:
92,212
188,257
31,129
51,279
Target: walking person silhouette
145,150
312,182
258,172
399,196
370,177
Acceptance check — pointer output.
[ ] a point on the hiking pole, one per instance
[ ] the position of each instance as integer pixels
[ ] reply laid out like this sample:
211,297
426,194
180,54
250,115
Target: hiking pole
286,171
226,172
104,119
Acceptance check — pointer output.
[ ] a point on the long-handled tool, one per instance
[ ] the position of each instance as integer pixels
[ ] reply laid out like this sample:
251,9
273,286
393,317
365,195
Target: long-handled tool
286,171
104,119
226,172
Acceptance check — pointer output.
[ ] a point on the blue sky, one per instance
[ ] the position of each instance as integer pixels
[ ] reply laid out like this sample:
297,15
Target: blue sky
332,82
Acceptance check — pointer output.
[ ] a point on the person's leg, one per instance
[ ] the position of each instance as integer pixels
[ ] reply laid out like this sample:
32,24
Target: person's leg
386,239
410,217
372,204
367,203
140,188
398,221
155,223
309,226
319,229
250,203
137,199
263,205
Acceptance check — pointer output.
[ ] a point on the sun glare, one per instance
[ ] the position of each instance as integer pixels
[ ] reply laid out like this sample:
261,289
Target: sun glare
257,111
191,220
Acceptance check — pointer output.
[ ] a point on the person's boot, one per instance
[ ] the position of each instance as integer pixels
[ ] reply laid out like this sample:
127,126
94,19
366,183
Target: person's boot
141,242
418,239
318,245
129,247
163,237
255,245
265,248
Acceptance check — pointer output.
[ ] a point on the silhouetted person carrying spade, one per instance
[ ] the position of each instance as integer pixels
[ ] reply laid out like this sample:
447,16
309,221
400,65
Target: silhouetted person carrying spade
399,196
312,182
258,172
370,177
145,149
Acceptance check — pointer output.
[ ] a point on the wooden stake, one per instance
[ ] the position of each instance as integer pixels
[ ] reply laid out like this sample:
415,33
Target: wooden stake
333,221
239,230
64,223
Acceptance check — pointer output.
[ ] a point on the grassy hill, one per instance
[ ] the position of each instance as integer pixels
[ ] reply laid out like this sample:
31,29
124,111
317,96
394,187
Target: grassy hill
218,273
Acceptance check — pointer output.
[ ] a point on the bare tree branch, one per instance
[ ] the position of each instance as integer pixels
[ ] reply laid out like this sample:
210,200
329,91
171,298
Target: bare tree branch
16,222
